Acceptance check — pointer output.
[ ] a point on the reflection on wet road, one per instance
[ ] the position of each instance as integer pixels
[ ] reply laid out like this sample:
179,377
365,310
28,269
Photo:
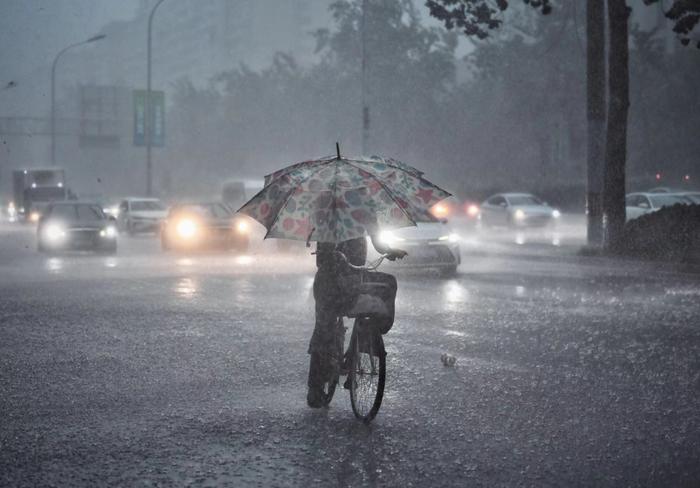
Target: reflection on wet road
167,369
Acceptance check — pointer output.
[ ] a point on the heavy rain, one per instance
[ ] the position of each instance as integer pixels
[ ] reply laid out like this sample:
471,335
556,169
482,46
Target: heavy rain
349,243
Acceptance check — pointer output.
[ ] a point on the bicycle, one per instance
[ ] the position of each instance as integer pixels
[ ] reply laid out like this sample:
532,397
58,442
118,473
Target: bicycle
364,361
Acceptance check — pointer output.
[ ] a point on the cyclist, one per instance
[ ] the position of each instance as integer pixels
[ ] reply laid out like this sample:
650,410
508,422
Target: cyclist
331,296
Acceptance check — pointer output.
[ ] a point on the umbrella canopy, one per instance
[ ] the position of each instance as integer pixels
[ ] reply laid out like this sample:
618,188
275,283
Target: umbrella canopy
335,199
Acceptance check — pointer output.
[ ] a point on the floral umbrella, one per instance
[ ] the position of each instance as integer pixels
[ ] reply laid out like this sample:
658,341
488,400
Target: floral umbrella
336,199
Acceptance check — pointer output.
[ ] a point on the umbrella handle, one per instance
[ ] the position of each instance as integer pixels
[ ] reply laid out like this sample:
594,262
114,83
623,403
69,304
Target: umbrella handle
308,239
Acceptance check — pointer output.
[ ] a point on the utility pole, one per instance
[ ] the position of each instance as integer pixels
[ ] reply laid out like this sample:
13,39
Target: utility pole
365,108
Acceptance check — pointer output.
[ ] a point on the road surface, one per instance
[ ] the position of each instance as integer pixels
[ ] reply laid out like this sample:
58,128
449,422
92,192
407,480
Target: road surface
152,369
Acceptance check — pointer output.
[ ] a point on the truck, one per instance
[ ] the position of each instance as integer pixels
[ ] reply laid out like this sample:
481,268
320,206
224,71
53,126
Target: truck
33,189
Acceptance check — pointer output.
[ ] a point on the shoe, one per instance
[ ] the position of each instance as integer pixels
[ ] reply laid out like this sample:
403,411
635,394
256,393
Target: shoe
314,398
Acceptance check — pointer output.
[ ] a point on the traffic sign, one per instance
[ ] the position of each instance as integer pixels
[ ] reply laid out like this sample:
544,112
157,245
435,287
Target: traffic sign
157,118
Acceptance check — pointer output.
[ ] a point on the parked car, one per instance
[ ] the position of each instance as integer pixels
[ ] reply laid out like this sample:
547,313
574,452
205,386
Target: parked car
638,204
136,215
664,189
204,225
429,245
693,196
516,210
76,226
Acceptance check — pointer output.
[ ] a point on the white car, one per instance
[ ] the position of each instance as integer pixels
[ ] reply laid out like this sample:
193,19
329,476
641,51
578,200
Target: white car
693,196
140,215
638,204
429,245
516,210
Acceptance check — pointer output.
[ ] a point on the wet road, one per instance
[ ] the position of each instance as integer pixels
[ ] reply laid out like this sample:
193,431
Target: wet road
145,369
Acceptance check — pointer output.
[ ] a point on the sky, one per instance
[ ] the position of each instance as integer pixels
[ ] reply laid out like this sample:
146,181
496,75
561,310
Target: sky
32,32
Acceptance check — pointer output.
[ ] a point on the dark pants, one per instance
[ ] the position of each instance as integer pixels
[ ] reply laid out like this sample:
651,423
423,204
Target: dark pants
333,295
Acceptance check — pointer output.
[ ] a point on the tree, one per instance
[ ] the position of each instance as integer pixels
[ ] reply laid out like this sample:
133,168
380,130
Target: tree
249,122
616,130
595,117
474,17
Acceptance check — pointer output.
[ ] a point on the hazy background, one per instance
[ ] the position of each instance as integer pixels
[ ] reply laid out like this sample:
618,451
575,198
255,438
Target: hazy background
254,85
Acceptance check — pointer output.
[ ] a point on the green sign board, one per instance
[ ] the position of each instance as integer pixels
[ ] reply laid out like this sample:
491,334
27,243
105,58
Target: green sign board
157,118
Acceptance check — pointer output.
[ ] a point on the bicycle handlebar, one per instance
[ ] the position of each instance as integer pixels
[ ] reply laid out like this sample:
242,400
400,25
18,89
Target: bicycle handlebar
369,267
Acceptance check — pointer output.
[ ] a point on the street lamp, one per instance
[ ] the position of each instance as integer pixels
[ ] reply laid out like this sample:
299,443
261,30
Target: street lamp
53,90
148,116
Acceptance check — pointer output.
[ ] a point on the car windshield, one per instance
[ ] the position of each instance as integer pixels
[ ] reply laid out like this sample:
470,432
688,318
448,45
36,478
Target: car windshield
65,212
215,210
89,212
662,200
77,212
524,200
46,193
141,205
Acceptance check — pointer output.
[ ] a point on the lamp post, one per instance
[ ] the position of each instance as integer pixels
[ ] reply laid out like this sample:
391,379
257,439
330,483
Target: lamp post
53,90
148,116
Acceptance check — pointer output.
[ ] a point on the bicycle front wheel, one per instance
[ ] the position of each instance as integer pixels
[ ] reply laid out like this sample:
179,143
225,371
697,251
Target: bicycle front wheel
367,372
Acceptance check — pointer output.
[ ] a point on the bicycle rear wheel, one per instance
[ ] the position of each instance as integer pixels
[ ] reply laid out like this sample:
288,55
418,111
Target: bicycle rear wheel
367,371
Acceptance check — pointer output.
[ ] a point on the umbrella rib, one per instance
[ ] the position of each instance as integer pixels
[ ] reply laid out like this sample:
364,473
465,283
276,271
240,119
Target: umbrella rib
418,175
286,201
294,167
385,188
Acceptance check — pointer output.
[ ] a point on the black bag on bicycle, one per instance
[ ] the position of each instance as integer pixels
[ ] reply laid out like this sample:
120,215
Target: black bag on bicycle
372,296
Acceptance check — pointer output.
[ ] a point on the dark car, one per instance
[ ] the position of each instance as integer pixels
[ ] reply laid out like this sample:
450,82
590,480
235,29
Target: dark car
76,226
204,225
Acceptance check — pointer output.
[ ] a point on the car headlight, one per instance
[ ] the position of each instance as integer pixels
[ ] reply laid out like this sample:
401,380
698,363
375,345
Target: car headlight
54,233
450,237
186,228
388,237
473,210
440,210
519,214
242,226
34,217
110,232
556,213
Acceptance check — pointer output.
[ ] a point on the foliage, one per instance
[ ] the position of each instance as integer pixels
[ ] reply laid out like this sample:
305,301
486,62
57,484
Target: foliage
671,233
476,17
686,15
516,120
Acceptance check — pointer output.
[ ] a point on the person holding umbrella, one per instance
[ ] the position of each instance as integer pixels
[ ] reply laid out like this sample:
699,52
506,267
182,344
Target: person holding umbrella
339,202
332,289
